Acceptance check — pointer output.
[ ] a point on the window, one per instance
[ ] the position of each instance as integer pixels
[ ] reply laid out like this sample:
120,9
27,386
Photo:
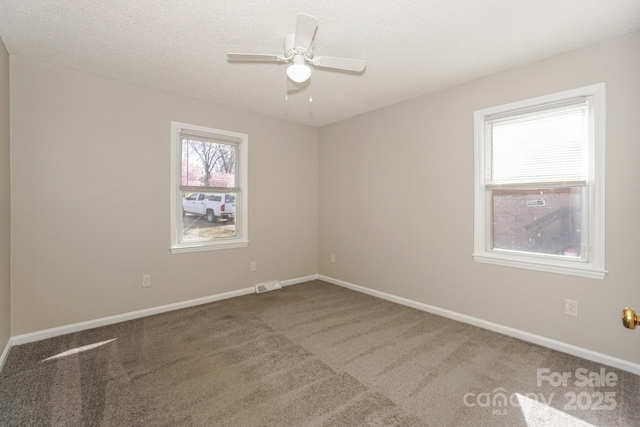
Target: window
208,189
539,183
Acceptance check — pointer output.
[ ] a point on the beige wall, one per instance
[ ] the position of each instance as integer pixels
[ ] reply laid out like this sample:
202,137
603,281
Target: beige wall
396,204
90,171
5,204
90,161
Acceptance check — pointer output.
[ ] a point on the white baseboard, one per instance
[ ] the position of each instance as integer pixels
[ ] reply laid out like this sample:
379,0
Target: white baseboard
104,321
5,353
501,329
505,330
299,280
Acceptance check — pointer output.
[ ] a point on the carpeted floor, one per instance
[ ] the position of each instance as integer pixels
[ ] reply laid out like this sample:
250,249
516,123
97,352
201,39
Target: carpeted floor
312,354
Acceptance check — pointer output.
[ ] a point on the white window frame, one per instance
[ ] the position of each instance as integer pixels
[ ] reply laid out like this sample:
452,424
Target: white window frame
242,193
594,265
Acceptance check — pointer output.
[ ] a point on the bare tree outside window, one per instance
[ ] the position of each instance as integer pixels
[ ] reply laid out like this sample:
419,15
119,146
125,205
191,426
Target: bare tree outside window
208,164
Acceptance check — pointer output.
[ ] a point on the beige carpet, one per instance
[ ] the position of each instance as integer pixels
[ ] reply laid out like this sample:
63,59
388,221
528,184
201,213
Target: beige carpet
312,354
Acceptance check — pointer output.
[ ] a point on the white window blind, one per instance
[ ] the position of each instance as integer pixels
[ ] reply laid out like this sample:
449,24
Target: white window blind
538,145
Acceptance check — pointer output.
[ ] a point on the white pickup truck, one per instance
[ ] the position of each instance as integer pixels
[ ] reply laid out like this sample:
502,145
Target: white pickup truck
213,205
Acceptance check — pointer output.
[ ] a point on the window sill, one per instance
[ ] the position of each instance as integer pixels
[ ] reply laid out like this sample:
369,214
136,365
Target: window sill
201,247
569,268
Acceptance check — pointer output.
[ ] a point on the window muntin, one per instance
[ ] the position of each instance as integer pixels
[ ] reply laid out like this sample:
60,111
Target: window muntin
539,200
209,190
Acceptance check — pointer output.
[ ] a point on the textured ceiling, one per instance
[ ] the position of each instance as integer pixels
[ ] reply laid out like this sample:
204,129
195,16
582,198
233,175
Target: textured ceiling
412,47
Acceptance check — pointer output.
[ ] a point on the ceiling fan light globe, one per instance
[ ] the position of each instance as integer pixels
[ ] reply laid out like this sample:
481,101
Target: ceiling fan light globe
299,72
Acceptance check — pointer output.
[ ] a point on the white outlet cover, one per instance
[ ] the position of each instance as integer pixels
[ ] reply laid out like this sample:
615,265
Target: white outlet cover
571,308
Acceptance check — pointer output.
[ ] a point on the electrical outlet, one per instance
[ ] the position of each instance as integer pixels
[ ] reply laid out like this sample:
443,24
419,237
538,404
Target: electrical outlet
252,266
333,258
571,308
146,280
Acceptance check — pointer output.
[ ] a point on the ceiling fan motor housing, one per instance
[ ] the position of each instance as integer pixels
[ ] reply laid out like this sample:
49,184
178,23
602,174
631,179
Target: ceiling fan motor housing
290,48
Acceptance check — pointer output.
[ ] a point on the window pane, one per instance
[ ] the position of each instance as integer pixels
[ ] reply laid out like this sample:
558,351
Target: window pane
208,164
546,221
213,217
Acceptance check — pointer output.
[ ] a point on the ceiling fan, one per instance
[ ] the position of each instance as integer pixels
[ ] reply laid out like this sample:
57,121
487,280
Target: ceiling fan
298,50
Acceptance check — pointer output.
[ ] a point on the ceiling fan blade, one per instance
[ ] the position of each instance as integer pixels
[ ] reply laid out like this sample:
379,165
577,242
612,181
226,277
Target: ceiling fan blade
305,29
253,57
340,63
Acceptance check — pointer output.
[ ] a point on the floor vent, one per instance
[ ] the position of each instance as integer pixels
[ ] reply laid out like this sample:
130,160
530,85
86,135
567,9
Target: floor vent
268,286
